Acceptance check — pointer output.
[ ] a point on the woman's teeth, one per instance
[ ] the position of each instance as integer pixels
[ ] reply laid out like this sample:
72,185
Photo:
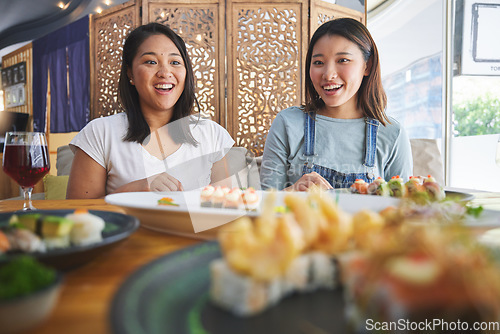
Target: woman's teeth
331,87
164,86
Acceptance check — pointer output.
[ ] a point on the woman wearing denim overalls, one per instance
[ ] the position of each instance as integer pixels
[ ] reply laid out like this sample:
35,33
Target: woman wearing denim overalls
342,132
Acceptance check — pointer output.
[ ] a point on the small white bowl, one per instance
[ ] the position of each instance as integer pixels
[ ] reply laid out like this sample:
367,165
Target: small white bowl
24,312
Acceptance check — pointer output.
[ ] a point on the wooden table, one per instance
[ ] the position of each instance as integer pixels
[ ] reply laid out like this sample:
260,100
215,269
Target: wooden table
85,300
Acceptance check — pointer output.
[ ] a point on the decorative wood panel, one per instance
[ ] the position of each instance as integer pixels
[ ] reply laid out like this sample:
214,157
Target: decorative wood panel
322,11
108,32
25,54
266,48
201,26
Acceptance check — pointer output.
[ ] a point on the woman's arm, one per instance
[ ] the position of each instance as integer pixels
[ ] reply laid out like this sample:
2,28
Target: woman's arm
400,161
274,160
220,174
87,178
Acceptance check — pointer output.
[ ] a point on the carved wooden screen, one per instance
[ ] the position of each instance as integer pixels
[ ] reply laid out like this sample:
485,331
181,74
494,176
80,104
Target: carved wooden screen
109,30
201,26
322,11
266,47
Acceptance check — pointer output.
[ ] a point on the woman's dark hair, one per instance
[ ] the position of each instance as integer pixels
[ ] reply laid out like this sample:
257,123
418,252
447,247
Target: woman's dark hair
138,129
371,95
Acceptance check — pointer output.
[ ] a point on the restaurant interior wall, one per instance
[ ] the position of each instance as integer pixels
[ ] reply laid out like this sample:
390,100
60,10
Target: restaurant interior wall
248,56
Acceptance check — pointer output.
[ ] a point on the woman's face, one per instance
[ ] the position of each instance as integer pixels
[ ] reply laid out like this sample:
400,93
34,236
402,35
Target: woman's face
158,73
337,70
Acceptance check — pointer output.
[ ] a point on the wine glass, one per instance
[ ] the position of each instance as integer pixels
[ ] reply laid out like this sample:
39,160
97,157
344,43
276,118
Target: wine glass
26,160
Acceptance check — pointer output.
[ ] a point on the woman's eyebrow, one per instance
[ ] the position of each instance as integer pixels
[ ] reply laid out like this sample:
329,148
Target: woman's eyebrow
345,53
152,53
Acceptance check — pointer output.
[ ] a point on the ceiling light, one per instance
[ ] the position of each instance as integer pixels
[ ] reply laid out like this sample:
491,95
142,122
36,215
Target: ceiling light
61,5
98,10
107,2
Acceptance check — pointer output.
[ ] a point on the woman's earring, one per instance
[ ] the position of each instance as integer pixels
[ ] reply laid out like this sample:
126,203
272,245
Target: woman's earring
131,81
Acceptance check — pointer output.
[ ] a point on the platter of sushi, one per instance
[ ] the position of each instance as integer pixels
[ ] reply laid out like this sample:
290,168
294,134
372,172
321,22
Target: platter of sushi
63,239
314,269
422,189
200,213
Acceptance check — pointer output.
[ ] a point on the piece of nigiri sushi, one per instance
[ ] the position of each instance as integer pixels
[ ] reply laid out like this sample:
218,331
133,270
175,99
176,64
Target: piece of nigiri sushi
206,196
87,228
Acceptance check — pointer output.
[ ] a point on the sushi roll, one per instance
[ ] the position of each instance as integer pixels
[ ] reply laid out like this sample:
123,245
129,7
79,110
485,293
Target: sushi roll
433,189
250,199
245,296
206,196
414,185
379,187
416,190
233,199
360,186
218,197
422,274
240,294
53,230
397,186
24,240
87,228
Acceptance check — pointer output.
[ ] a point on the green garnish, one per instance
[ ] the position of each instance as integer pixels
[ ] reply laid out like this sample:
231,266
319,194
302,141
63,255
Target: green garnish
167,201
474,211
22,276
281,209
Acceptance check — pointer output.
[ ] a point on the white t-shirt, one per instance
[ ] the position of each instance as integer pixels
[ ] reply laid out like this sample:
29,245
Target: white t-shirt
124,161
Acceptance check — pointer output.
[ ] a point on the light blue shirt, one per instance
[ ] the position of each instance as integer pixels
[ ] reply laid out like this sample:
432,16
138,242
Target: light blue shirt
339,145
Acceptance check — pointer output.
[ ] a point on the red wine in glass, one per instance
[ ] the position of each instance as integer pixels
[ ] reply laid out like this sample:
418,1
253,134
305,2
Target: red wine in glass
26,164
26,160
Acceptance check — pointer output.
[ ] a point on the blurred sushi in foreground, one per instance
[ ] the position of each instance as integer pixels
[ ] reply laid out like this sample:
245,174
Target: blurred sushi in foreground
418,274
35,232
274,256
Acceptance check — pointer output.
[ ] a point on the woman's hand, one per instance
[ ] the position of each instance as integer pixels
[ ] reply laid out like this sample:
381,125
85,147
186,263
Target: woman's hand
309,180
158,182
164,182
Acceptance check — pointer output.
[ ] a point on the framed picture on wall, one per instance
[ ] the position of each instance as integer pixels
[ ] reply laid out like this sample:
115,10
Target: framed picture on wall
4,79
15,96
14,75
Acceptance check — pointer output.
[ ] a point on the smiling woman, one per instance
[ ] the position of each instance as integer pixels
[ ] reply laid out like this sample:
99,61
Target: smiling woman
342,133
156,144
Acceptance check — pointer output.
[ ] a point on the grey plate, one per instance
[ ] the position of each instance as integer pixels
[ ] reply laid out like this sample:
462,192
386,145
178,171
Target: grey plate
170,295
459,196
118,227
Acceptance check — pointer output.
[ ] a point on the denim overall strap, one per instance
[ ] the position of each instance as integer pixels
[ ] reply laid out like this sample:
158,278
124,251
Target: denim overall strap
309,137
335,178
370,142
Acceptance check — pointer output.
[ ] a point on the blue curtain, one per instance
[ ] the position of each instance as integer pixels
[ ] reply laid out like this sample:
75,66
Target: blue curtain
64,54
